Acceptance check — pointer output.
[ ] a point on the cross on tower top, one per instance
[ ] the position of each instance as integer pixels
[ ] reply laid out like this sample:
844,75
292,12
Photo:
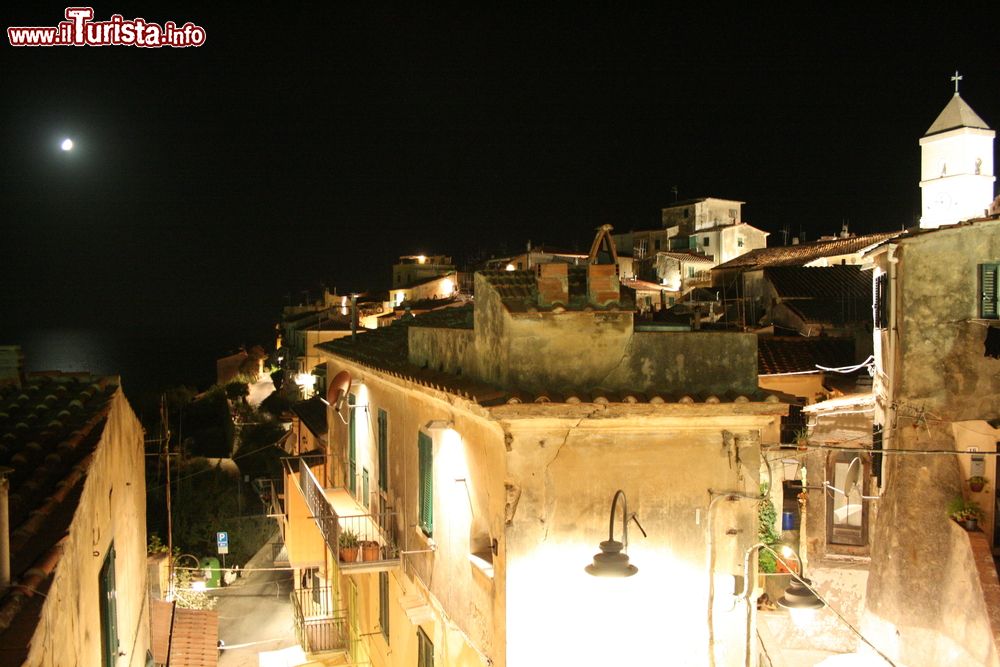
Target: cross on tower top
956,78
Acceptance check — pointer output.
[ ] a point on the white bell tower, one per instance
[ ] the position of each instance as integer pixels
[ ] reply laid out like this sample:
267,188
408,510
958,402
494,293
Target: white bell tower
956,165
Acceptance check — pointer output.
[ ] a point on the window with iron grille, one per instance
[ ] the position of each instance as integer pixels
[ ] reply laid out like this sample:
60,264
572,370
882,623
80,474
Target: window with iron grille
988,291
426,481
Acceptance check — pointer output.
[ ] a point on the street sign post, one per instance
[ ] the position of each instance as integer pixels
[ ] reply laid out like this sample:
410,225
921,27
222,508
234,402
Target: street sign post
222,542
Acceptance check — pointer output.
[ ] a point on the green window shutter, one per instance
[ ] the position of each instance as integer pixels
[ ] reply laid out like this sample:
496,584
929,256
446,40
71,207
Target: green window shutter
426,480
383,604
383,450
425,649
352,447
988,290
109,610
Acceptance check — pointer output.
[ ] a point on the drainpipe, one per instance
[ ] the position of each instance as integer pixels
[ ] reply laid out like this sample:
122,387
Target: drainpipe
4,530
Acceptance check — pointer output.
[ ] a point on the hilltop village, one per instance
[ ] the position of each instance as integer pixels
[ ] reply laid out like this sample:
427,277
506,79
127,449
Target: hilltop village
687,445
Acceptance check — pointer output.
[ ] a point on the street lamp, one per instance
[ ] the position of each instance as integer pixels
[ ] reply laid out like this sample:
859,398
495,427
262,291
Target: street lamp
799,594
611,561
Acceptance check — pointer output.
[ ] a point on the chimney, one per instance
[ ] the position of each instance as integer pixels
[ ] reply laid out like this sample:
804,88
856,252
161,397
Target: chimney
553,284
795,240
602,284
4,530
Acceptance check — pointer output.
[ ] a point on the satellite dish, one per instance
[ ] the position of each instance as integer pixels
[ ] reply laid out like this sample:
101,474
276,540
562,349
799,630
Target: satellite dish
337,392
852,477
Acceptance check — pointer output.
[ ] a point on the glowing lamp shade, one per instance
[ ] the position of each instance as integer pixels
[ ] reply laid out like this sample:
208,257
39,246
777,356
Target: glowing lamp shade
798,597
511,267
611,562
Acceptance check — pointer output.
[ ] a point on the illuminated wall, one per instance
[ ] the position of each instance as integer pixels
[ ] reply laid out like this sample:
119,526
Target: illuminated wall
565,476
112,509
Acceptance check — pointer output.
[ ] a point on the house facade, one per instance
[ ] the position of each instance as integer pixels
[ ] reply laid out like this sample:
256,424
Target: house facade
479,449
72,452
936,382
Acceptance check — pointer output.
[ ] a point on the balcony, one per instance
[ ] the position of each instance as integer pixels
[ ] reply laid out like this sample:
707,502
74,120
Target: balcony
362,541
317,628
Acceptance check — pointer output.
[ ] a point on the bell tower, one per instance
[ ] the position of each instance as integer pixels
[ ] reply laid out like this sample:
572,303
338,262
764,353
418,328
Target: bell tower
956,165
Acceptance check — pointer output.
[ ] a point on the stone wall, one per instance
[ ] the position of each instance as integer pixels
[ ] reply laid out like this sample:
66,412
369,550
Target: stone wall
689,362
450,351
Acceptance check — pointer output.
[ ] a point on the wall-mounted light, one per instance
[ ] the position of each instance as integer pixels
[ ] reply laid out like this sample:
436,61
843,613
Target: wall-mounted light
612,561
439,424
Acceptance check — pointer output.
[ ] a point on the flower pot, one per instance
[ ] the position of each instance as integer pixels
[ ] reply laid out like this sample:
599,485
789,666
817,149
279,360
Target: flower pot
349,554
970,524
370,550
977,486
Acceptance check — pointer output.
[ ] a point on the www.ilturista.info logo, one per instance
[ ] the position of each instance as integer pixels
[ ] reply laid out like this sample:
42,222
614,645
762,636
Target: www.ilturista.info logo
79,29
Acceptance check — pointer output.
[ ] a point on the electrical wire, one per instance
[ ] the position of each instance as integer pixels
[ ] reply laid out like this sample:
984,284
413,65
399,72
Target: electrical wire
809,586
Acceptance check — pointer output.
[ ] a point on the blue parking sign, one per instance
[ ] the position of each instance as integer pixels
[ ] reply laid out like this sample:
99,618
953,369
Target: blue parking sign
222,541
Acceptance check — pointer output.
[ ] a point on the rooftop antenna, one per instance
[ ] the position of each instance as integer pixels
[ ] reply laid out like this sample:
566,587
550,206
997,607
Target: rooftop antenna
674,189
784,234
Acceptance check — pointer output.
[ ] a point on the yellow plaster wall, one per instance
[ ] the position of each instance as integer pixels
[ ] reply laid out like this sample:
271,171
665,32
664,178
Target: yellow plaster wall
112,508
468,506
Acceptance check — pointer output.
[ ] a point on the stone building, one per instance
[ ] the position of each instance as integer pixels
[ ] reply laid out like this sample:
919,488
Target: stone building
71,451
932,585
477,451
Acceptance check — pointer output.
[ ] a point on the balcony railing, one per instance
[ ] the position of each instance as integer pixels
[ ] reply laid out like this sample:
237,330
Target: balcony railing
317,629
369,539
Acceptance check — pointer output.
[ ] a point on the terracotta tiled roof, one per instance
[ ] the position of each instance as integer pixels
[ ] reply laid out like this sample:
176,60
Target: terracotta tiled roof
48,431
777,355
386,350
194,640
803,253
687,256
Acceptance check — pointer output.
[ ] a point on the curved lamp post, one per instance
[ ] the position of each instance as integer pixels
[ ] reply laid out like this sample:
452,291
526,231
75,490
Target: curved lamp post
799,594
612,561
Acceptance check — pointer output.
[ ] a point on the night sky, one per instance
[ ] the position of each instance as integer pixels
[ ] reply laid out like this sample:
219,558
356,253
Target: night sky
315,145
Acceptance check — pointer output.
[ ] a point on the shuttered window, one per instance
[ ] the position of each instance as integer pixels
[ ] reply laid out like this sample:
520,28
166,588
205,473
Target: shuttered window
352,447
109,610
882,301
988,290
426,480
383,450
383,604
425,649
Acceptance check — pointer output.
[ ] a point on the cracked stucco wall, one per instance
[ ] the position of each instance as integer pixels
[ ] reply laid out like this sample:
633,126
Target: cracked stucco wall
566,472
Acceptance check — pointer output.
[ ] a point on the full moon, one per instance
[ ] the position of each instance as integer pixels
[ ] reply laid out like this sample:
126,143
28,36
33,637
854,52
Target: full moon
66,145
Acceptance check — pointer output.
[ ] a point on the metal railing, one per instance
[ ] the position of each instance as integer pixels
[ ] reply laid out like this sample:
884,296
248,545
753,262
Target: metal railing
367,537
373,536
317,628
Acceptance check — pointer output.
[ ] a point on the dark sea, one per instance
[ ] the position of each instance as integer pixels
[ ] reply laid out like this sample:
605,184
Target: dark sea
147,363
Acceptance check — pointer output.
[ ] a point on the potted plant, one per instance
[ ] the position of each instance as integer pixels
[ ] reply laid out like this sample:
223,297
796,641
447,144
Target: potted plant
369,550
348,546
977,483
965,512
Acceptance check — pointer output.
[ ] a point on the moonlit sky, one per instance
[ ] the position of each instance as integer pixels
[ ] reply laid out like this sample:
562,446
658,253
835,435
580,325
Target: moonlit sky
313,145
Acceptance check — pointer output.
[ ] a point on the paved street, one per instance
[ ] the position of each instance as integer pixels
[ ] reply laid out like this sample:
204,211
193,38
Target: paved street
255,614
